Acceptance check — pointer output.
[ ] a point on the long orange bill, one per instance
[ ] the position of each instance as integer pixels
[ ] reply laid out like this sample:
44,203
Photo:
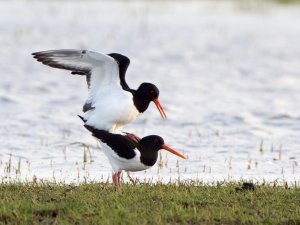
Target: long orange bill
160,109
173,151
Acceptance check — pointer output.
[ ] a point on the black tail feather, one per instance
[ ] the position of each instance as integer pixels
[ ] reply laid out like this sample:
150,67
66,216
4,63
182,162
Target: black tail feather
81,118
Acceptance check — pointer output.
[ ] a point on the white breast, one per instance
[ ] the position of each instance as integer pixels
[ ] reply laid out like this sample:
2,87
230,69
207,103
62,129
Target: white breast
113,110
118,164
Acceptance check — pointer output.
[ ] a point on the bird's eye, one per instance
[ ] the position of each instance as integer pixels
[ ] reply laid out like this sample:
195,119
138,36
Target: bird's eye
152,92
156,141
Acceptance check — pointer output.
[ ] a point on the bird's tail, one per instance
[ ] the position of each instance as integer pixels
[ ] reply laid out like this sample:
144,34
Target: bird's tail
82,118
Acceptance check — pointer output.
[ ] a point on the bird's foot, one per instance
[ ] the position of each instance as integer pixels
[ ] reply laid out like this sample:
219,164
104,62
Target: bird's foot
133,137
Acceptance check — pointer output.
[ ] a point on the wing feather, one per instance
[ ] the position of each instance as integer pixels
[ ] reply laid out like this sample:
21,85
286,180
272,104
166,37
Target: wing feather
99,69
80,62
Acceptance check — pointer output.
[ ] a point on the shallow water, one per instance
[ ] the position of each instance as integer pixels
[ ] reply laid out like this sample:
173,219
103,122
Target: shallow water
229,81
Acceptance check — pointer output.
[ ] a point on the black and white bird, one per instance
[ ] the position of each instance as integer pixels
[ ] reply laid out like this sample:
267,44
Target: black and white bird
125,154
111,103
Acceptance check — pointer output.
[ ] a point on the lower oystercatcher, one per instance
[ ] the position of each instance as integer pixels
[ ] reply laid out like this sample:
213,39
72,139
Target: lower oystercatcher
111,103
125,154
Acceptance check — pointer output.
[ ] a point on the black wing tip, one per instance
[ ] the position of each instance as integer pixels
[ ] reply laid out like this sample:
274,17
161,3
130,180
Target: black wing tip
39,53
40,56
35,55
46,58
81,117
87,106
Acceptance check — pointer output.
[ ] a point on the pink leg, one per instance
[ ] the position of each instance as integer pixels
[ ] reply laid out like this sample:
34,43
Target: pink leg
119,179
114,177
116,180
133,137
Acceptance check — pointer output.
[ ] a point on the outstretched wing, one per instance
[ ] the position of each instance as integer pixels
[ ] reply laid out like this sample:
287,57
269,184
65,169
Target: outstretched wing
99,69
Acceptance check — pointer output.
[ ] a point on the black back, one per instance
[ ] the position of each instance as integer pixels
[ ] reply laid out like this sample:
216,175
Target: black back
123,63
124,146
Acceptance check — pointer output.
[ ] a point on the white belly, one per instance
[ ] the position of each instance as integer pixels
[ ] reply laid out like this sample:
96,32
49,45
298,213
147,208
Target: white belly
112,111
118,164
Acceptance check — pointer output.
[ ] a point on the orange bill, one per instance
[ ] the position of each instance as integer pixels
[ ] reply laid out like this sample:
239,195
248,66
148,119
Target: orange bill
160,109
173,151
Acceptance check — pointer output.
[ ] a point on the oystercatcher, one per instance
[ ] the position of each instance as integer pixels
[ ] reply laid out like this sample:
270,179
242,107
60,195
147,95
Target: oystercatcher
125,154
111,103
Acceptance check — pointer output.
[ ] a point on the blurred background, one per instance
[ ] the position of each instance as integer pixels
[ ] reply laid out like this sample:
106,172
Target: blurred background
228,72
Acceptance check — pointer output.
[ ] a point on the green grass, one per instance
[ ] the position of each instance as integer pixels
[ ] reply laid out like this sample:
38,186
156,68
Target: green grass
287,1
147,204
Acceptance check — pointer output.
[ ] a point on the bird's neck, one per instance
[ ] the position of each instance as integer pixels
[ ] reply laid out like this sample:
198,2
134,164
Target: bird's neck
139,102
148,158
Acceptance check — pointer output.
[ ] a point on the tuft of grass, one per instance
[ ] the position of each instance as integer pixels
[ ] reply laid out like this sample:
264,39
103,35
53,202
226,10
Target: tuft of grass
261,146
8,167
148,204
84,155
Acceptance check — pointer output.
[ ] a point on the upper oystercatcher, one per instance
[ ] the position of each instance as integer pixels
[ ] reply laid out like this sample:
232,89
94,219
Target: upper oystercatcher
111,103
125,154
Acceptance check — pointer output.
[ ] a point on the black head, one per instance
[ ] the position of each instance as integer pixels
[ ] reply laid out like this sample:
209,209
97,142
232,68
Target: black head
146,93
149,147
152,142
